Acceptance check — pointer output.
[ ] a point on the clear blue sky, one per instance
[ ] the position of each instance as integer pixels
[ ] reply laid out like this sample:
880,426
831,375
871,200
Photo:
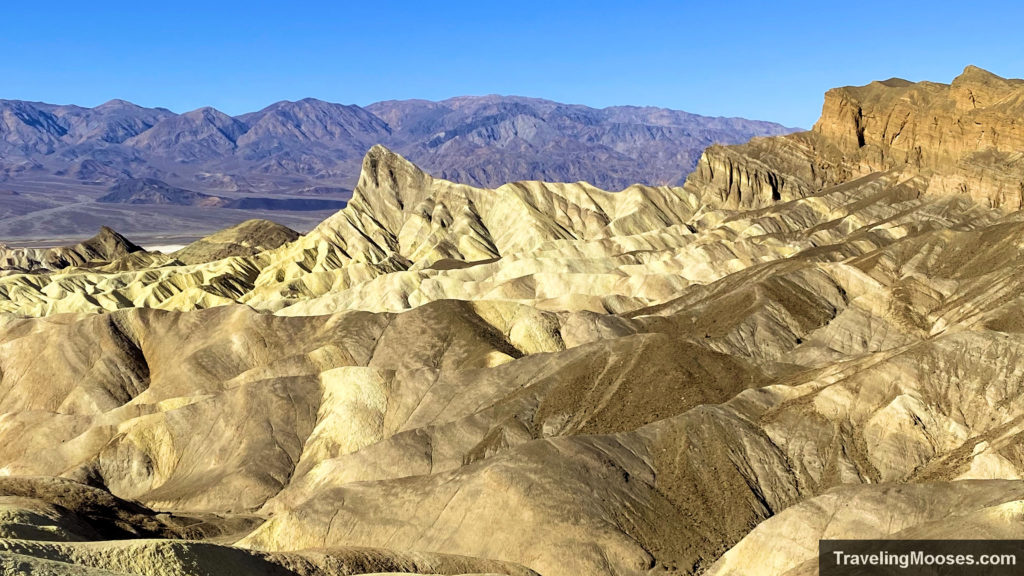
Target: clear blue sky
765,60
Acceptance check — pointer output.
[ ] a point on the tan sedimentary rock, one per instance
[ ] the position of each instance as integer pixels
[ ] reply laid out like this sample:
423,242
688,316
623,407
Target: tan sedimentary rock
246,239
818,335
788,543
960,138
106,246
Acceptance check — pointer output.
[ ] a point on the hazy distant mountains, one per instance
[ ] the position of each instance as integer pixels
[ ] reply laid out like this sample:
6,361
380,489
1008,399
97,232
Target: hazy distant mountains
491,140
156,175
311,146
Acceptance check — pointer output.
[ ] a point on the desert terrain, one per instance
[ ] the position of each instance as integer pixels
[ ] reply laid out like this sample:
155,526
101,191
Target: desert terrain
816,334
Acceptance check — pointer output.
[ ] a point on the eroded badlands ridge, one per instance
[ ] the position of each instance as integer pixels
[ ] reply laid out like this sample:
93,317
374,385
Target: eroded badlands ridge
816,334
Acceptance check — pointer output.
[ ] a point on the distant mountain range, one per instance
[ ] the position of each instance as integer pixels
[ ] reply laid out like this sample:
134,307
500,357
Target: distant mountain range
66,170
311,146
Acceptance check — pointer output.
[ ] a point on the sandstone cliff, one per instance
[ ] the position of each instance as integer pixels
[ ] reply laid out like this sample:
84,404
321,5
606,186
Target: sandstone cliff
960,138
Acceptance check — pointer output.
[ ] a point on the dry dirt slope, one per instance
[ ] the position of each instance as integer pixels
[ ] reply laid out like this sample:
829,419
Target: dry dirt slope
819,334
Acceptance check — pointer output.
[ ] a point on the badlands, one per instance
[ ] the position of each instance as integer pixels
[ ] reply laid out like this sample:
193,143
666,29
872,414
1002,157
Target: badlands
819,335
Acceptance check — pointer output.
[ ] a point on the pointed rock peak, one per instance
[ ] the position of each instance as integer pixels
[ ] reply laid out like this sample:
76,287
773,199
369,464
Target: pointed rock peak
388,185
383,168
118,103
108,232
208,113
974,74
111,239
381,151
895,83
978,88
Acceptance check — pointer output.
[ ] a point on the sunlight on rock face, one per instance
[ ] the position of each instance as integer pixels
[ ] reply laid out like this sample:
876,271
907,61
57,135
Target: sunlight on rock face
819,335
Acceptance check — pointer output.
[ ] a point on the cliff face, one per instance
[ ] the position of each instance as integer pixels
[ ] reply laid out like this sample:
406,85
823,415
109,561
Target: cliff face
960,138
762,172
926,124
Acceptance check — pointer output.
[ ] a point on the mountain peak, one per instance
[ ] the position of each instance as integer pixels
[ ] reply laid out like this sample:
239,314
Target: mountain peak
205,112
388,184
313,101
972,72
386,169
112,241
118,103
345,130
979,88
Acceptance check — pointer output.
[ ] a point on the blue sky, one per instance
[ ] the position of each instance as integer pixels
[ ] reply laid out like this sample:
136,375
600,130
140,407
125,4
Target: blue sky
764,60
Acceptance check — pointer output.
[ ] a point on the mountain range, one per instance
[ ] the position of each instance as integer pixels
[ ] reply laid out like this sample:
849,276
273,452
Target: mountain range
60,158
814,337
309,144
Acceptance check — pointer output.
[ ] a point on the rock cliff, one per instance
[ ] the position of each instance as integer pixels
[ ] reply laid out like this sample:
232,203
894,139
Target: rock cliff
960,138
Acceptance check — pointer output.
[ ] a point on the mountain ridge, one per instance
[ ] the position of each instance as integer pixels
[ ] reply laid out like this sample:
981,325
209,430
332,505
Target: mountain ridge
63,158
812,337
202,134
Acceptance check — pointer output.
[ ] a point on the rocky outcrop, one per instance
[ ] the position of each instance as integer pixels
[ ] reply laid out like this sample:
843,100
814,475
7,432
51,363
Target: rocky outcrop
925,124
966,136
246,239
962,138
759,174
788,543
106,246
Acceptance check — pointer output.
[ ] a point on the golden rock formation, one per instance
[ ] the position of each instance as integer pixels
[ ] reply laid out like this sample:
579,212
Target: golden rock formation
819,335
